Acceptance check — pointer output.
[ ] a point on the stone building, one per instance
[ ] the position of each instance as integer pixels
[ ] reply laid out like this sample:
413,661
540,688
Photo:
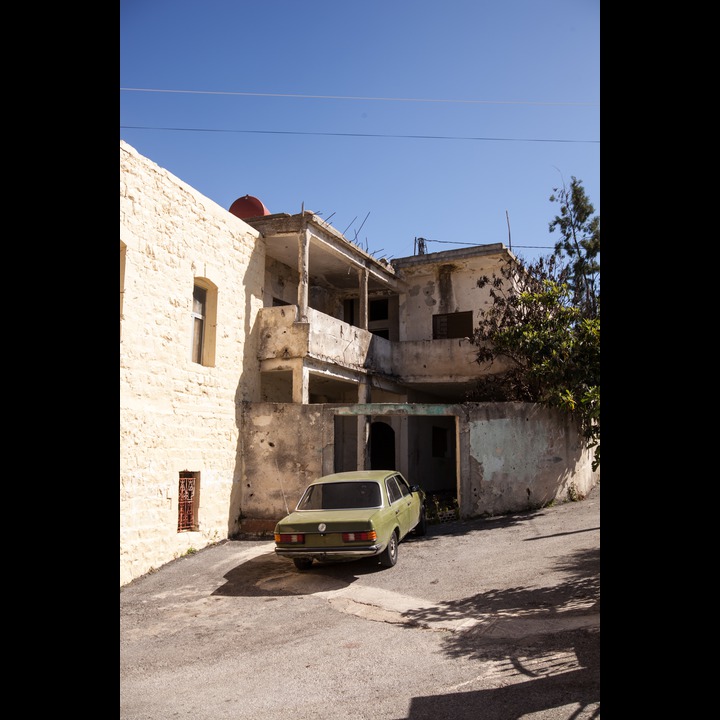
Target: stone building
260,350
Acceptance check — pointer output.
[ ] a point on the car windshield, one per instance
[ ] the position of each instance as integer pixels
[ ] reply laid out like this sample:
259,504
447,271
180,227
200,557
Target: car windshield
340,496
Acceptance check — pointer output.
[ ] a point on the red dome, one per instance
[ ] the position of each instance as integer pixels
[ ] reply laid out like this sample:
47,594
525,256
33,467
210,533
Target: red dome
247,207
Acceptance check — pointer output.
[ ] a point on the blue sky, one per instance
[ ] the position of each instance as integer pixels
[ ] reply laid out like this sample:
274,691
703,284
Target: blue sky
391,119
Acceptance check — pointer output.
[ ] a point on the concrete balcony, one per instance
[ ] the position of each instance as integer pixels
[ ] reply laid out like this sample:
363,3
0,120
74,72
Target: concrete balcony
322,338
445,367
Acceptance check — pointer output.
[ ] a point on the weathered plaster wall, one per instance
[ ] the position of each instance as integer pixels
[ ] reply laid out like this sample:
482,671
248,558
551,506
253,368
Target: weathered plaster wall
521,456
177,415
284,447
453,360
281,283
512,456
440,288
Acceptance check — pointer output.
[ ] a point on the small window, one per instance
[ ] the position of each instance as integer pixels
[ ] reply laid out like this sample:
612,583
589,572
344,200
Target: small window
198,313
188,501
204,322
452,325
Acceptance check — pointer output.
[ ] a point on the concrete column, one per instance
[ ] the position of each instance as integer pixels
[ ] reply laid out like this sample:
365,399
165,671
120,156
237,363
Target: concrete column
469,479
363,278
363,392
303,273
363,434
300,384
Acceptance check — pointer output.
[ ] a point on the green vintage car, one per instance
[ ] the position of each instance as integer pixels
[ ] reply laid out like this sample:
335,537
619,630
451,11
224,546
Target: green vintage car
352,515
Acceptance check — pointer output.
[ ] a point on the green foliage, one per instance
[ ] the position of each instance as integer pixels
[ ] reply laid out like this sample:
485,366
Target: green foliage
579,243
545,319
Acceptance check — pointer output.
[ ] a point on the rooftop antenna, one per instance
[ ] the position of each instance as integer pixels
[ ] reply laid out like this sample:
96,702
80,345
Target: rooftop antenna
508,223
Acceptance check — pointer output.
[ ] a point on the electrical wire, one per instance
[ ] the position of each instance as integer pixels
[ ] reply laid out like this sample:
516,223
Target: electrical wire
353,97
369,135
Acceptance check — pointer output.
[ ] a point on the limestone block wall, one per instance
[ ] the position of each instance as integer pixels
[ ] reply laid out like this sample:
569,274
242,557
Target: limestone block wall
177,415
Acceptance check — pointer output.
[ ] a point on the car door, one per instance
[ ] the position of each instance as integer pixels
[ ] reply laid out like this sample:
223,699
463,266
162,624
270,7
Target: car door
401,502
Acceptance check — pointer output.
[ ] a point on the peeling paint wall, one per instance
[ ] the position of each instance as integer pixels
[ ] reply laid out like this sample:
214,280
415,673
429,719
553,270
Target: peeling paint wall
281,284
522,456
512,456
284,447
439,288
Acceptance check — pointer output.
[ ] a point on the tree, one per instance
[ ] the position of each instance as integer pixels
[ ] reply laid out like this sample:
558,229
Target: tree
545,319
580,242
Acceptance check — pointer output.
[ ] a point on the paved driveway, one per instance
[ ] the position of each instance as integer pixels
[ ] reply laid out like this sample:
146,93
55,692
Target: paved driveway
490,619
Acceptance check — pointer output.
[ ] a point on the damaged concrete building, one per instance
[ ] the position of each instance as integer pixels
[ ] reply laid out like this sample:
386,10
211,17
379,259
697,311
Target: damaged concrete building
259,351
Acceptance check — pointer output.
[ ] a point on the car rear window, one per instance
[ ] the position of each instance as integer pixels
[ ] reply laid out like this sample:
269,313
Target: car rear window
341,496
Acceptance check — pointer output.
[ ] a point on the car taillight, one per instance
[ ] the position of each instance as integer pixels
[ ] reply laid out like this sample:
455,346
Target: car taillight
289,538
359,536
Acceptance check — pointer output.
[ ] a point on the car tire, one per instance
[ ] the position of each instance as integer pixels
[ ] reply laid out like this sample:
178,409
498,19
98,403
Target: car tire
421,527
302,563
389,555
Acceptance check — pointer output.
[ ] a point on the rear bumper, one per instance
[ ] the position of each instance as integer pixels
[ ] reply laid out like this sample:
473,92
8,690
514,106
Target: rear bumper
334,553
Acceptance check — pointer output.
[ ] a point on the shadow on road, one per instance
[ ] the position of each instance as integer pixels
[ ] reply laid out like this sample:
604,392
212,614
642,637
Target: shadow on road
274,576
579,690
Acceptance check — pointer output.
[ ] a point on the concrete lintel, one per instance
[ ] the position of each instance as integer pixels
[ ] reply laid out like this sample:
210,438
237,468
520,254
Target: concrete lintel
399,409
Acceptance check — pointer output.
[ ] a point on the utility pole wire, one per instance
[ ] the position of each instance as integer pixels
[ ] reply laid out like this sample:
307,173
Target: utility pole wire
338,134
352,97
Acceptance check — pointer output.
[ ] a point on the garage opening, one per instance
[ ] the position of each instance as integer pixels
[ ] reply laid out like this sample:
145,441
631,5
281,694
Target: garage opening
423,447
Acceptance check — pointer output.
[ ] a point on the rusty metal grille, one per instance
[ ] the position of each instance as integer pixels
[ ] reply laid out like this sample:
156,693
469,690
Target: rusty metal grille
186,502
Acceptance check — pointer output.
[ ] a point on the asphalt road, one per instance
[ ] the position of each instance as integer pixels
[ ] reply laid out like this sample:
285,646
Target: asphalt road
490,619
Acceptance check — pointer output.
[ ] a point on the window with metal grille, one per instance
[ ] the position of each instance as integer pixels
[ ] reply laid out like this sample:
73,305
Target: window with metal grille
188,495
452,325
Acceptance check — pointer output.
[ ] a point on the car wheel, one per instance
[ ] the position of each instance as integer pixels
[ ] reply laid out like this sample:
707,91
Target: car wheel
421,527
302,563
390,553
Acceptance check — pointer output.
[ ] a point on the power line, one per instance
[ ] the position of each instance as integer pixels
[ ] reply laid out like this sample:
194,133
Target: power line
353,97
527,247
334,134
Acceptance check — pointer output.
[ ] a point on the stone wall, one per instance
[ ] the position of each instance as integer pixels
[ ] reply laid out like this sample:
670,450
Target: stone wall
177,415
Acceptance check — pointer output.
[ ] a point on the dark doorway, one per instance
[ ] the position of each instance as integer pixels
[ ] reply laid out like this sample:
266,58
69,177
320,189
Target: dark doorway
382,446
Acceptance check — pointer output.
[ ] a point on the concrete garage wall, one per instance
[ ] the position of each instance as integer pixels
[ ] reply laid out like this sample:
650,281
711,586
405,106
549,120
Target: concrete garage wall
520,456
284,447
511,456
